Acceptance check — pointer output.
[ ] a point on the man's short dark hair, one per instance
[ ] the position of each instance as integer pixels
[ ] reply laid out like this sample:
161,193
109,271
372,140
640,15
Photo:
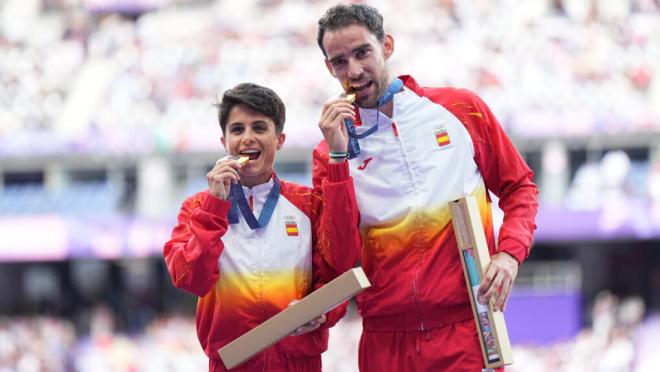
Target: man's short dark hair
260,99
340,16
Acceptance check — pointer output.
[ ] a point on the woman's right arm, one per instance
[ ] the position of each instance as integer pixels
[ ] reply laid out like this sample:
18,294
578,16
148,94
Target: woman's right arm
195,246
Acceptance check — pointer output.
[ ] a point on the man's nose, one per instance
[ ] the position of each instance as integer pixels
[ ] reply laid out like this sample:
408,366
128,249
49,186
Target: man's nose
354,69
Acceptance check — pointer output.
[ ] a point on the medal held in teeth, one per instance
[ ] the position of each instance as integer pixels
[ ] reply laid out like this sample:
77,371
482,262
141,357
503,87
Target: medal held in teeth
349,92
238,158
353,145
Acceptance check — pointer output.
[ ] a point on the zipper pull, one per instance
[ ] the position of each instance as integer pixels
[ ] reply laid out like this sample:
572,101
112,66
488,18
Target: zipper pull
395,129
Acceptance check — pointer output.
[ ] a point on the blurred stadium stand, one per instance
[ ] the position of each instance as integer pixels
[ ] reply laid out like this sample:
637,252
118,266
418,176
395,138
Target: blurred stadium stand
107,124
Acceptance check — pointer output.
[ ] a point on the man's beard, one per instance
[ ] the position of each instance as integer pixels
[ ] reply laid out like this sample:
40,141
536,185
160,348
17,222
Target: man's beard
372,101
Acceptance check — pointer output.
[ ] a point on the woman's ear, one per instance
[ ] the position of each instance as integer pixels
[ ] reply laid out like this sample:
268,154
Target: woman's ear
280,140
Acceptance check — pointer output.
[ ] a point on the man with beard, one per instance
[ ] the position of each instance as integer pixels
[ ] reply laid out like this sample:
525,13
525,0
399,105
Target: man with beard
413,150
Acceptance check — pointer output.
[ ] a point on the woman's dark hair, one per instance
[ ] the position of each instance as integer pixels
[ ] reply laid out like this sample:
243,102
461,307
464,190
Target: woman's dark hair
260,99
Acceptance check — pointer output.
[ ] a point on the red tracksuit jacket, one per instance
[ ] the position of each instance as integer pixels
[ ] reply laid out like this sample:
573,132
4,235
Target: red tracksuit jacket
439,145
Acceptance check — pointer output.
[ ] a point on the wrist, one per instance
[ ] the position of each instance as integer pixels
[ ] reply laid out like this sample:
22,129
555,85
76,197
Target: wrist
339,156
215,205
514,249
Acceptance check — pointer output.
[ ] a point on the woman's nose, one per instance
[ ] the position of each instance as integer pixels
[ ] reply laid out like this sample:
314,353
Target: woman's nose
248,136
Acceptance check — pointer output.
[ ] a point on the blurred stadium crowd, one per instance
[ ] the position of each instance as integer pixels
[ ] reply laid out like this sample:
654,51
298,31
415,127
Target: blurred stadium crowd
615,342
94,76
97,96
117,78
51,344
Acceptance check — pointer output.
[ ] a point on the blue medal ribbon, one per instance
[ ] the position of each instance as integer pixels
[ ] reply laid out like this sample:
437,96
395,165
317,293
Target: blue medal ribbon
239,202
353,137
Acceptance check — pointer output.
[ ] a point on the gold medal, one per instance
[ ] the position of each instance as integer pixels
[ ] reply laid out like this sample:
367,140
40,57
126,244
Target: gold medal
349,93
238,158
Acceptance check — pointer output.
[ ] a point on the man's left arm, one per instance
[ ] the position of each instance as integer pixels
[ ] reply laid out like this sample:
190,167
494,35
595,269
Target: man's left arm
507,175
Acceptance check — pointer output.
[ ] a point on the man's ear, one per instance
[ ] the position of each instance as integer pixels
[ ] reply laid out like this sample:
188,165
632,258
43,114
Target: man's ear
388,46
329,67
224,142
280,140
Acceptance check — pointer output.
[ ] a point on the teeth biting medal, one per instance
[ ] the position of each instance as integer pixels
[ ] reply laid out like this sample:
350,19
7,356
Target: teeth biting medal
239,158
353,145
350,94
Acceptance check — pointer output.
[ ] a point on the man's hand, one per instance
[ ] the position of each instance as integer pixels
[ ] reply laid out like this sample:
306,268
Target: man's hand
335,111
500,274
221,177
309,327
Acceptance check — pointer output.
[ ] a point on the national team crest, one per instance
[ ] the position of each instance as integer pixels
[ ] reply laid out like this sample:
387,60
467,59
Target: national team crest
291,226
441,136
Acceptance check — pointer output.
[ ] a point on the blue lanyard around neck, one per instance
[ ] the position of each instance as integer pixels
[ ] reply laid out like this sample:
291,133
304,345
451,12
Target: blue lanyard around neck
353,144
392,89
239,202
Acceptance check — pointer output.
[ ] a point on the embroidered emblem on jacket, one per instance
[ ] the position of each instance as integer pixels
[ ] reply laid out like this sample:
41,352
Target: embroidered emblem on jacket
441,135
291,225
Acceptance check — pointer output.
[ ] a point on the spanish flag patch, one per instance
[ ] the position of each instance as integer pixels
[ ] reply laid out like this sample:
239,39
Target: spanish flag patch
442,137
291,228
